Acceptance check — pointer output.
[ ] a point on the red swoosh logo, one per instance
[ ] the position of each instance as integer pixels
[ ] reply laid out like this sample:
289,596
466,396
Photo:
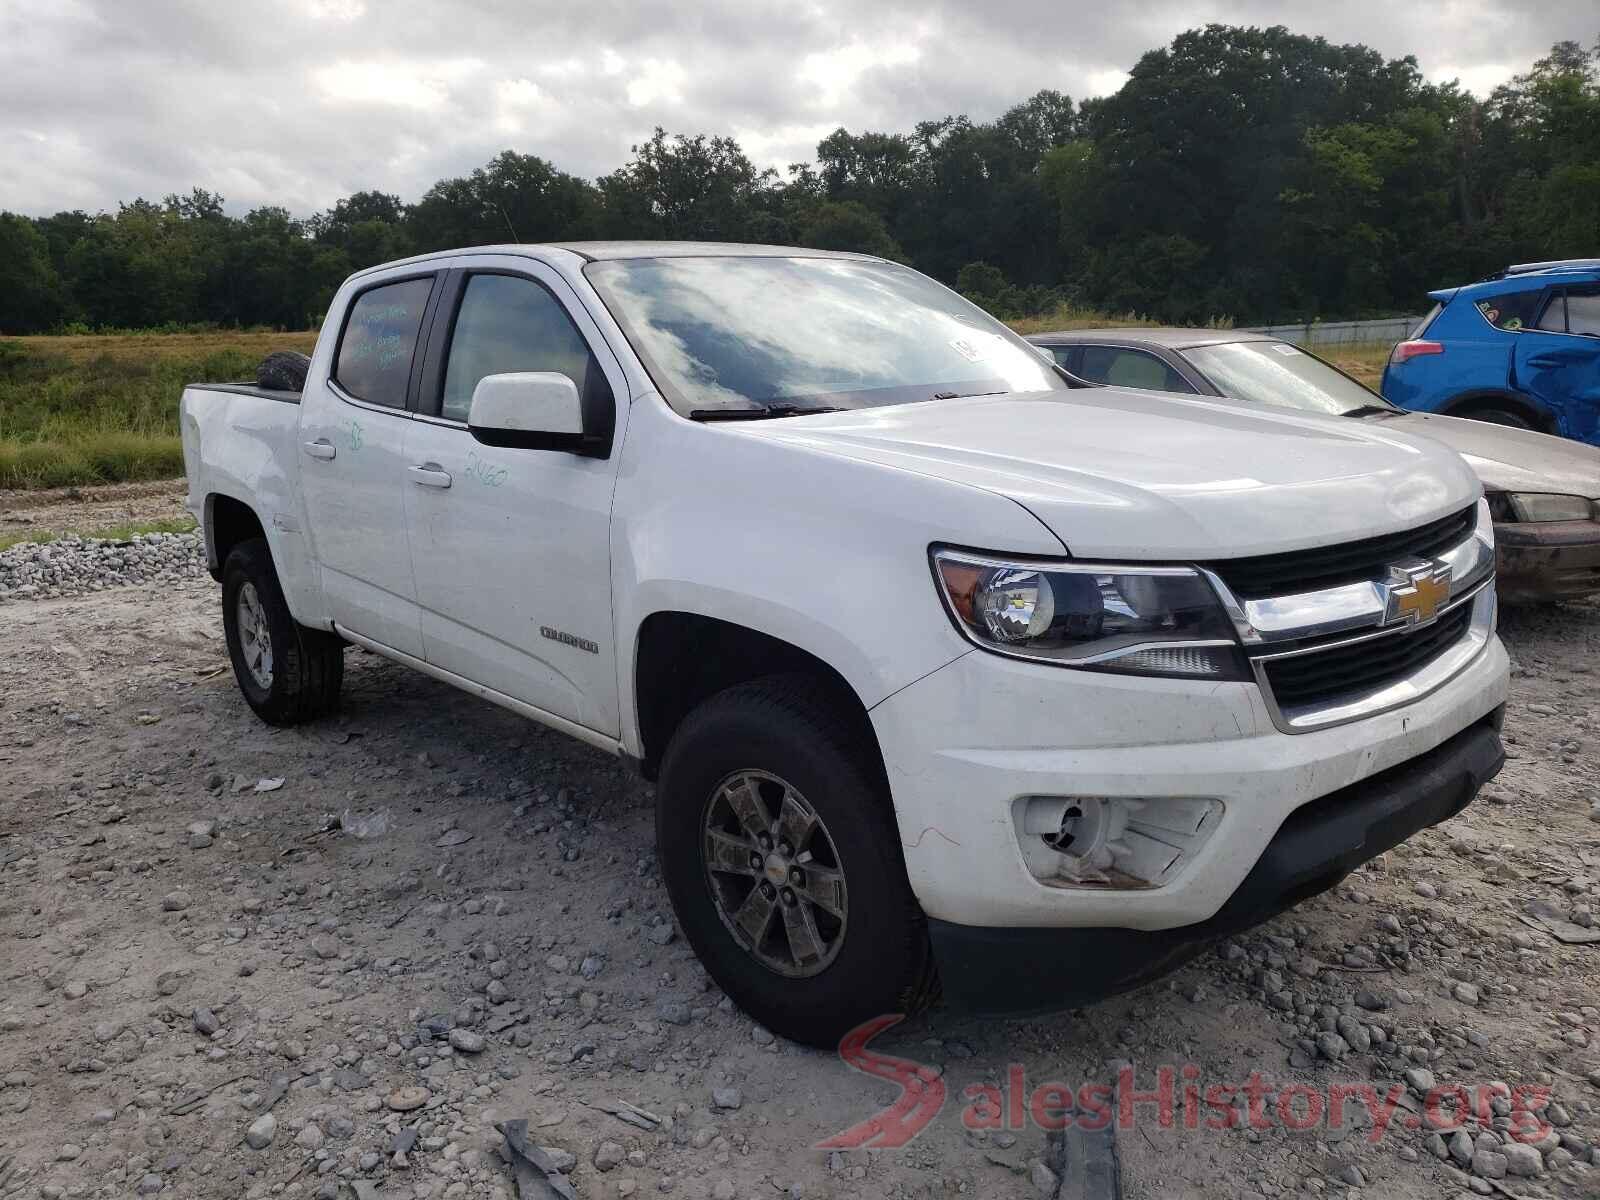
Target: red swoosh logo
921,1091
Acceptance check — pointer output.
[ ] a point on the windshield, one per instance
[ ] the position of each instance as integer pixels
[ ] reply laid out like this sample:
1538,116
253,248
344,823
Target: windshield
1281,374
730,333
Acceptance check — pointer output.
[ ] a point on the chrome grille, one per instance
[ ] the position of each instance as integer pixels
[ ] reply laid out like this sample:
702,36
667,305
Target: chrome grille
1331,566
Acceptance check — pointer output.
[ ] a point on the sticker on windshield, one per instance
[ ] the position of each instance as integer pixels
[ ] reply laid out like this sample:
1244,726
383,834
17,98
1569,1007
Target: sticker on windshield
1285,350
966,349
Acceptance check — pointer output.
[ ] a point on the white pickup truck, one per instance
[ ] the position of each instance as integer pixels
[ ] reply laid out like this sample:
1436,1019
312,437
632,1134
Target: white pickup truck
951,671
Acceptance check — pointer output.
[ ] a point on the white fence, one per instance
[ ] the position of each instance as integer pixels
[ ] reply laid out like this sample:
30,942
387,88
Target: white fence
1341,333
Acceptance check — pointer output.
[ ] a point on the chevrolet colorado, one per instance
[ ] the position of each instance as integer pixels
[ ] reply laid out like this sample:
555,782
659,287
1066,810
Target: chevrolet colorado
951,674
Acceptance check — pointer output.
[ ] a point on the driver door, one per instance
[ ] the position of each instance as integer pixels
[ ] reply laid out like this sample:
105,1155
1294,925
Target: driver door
511,547
1558,363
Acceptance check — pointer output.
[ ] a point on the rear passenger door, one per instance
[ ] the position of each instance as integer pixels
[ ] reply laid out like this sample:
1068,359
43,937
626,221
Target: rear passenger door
353,425
512,546
1557,362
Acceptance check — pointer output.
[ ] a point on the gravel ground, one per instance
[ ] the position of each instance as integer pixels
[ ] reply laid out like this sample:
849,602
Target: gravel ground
330,961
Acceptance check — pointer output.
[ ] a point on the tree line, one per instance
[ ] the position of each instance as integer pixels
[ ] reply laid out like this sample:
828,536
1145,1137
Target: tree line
1239,172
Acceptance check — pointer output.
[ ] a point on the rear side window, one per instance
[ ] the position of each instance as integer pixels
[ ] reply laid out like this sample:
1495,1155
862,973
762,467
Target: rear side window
1583,311
1121,367
379,341
1511,311
507,323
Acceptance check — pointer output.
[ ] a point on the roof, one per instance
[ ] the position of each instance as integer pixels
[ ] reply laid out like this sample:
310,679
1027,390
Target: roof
594,251
639,249
1165,336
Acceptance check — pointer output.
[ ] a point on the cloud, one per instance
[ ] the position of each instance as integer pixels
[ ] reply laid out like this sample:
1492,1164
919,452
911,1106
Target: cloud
299,102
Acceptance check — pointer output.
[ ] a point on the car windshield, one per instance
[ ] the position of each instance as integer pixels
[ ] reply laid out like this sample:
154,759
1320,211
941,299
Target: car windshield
787,334
1281,374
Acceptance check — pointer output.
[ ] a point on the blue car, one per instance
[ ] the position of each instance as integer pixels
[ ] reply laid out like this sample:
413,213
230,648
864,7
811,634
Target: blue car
1521,349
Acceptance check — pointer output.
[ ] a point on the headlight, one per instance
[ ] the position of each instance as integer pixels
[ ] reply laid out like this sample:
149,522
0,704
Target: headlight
1542,506
1092,616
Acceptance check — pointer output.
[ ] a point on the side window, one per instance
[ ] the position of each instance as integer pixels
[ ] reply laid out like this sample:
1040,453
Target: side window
1583,311
1121,367
379,339
1555,315
507,323
1062,355
1511,311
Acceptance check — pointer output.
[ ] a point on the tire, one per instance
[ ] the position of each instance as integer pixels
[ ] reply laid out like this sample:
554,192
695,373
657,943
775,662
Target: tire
298,677
283,371
1499,416
780,736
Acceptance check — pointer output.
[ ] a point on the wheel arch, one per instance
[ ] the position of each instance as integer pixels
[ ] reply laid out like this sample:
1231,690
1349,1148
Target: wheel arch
228,521
684,658
1468,403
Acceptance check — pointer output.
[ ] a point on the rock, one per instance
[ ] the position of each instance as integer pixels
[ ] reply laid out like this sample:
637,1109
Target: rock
176,901
325,946
1045,1181
1354,1033
1427,891
661,934
468,1042
1490,1164
205,1021
69,1152
310,1138
672,1010
1351,1174
1331,1046
149,1184
1522,1161
1420,1080
726,1097
562,1160
761,1036
1465,993
1437,1147
1461,1148
75,989
168,982
608,1156
261,1132
408,1098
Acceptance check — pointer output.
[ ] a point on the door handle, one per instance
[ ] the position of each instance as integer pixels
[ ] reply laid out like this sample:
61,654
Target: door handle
321,448
430,474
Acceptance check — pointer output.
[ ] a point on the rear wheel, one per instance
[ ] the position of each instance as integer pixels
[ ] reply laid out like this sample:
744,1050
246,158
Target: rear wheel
782,859
288,673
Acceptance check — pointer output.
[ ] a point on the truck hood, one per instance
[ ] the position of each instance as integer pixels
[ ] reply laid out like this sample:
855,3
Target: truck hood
1148,475
1512,460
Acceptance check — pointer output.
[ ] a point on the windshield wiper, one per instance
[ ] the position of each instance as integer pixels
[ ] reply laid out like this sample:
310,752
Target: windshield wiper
964,395
759,414
1371,410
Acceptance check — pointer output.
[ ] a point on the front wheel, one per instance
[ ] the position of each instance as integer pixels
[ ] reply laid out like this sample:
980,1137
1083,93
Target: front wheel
782,859
288,673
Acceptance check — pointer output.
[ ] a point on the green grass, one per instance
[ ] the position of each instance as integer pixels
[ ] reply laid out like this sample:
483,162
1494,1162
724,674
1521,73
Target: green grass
103,408
112,533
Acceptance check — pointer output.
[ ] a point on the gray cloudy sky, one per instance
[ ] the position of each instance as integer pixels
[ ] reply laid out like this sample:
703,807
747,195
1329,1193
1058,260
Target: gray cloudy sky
300,102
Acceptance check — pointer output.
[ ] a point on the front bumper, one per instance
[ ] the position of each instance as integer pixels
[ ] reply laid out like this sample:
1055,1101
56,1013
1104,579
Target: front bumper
963,744
1031,969
1546,560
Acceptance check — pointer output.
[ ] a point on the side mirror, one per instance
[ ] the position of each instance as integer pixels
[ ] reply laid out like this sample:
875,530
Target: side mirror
530,410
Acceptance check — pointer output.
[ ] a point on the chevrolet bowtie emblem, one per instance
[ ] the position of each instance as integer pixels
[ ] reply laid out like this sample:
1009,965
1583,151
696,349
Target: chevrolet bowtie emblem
1417,589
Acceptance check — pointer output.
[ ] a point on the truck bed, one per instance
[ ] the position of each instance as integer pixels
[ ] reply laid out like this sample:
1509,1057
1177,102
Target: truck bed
248,389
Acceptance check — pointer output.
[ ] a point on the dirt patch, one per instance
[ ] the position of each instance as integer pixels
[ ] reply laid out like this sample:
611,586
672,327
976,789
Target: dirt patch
82,510
199,958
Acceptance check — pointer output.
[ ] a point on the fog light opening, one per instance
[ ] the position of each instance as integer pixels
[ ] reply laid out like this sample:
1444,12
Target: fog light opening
1125,842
